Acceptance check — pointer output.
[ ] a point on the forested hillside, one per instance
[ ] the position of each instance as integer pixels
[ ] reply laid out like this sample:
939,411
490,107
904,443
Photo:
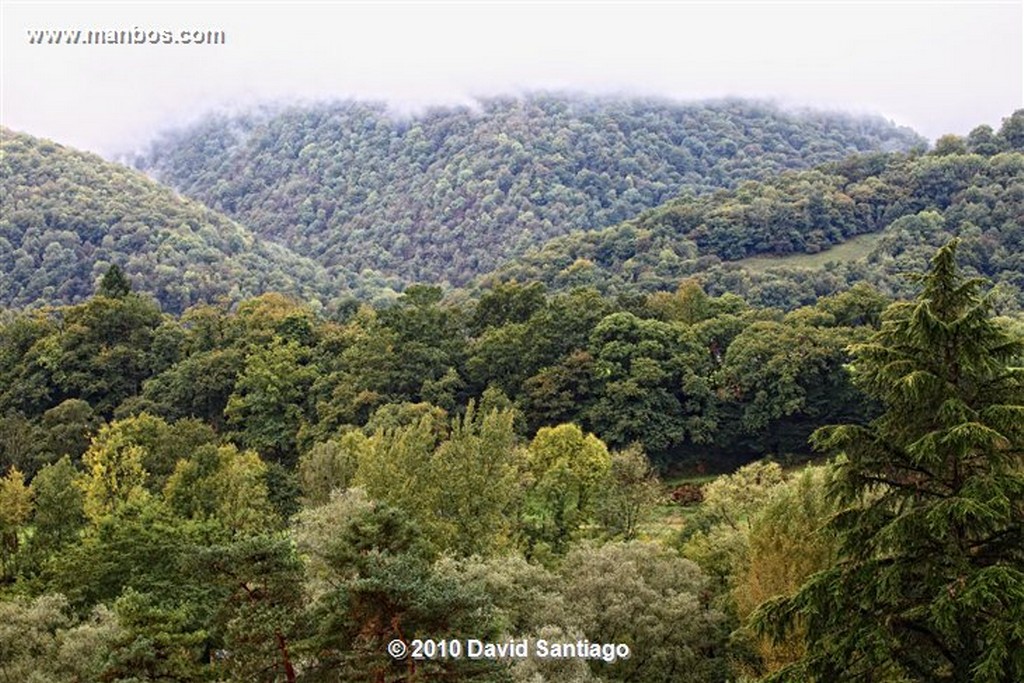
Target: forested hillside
263,493
454,192
67,216
971,188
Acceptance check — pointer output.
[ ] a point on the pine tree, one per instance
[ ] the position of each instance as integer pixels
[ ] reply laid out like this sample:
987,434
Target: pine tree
115,284
930,581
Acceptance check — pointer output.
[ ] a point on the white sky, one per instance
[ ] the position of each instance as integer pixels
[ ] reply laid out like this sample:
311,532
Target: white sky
936,66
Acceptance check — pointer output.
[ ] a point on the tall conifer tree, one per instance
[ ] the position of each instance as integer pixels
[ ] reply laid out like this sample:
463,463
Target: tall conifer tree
930,581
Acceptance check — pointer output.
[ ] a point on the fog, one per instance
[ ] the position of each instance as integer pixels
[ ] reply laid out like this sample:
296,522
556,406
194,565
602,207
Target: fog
937,67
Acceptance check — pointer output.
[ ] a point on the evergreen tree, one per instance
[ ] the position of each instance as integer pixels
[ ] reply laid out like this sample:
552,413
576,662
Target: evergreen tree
930,581
115,284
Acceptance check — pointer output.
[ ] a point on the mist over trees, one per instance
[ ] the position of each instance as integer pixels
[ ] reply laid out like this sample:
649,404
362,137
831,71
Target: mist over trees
784,475
453,192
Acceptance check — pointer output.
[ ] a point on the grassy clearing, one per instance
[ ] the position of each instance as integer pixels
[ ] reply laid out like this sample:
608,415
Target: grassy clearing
851,250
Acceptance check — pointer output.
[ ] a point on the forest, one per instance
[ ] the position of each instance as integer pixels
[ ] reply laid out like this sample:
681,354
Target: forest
969,188
262,493
448,194
222,460
68,216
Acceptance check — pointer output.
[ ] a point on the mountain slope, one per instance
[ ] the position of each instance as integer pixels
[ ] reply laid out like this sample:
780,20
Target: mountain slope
913,202
455,192
68,215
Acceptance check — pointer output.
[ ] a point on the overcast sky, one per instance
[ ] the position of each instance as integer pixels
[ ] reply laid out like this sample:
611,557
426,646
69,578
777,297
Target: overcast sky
936,66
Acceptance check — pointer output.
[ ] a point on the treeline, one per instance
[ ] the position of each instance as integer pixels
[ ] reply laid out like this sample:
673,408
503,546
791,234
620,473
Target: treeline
68,216
682,374
200,498
969,188
454,192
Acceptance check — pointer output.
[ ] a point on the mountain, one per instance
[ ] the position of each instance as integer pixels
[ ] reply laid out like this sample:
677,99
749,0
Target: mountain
899,207
456,191
68,215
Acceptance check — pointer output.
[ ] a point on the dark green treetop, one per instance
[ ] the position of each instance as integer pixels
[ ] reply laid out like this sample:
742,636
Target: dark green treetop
115,284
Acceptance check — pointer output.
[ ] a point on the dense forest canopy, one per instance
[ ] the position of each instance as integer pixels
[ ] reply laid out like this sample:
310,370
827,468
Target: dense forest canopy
972,189
67,216
683,374
453,192
264,493
203,479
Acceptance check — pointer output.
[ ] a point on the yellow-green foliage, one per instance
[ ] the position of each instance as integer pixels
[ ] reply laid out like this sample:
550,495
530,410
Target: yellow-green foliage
461,488
113,473
15,510
223,484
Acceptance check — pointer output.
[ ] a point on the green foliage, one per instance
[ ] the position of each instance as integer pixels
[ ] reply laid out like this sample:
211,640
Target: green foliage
41,641
73,221
68,428
224,485
720,535
267,489
976,195
330,466
142,545
259,616
437,479
569,469
789,372
15,511
788,541
115,284
154,643
377,583
928,585
59,508
631,492
114,475
653,600
454,192
266,408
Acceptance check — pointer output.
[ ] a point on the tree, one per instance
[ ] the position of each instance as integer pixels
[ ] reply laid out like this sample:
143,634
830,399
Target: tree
68,428
983,140
261,615
785,378
115,284
114,472
329,466
638,362
40,641
1012,130
929,584
788,541
155,643
141,545
632,491
719,535
373,580
950,144
268,404
60,511
569,468
479,469
15,510
655,601
437,479
225,485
